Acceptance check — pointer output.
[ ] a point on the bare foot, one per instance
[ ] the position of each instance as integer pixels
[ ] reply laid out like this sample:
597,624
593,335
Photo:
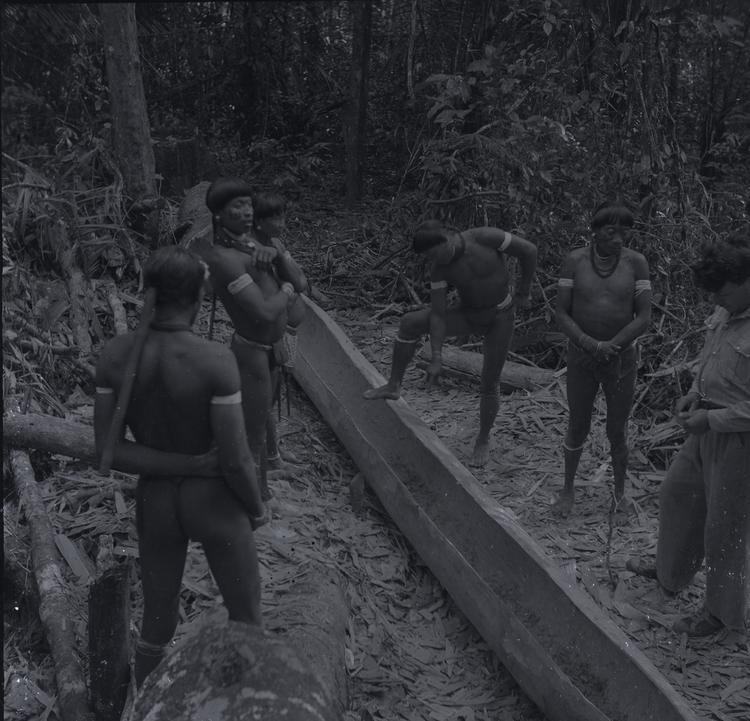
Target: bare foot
289,457
480,455
387,391
564,504
622,509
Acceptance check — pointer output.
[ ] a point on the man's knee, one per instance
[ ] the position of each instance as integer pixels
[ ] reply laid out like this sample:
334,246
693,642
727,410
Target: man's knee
411,327
578,432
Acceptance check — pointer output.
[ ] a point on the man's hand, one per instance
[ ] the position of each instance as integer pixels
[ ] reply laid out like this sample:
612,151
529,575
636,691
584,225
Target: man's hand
695,422
522,300
265,256
261,520
686,403
607,349
207,464
434,369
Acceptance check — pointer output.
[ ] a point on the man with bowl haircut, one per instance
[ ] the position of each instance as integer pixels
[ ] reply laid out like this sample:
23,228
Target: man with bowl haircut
257,285
603,305
473,262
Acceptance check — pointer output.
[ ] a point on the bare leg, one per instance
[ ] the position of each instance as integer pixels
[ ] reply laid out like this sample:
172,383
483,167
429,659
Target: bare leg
412,327
496,345
582,386
255,376
619,394
162,547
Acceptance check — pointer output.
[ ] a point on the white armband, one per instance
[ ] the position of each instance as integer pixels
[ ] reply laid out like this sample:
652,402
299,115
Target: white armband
438,284
239,284
507,237
102,391
565,283
642,286
230,400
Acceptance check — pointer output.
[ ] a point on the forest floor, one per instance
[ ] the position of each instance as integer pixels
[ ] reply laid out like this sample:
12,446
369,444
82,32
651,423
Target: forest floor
410,652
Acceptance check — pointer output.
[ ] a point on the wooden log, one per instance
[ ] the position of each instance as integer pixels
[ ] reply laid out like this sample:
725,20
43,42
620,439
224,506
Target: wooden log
237,671
51,434
77,287
294,670
54,610
119,315
465,364
109,634
312,618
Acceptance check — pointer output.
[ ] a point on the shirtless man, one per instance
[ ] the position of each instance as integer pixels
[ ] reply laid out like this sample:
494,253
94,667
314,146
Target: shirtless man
186,397
473,262
603,305
256,284
269,223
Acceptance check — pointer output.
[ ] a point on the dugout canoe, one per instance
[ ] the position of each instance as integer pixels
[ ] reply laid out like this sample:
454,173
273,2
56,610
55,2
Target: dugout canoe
570,658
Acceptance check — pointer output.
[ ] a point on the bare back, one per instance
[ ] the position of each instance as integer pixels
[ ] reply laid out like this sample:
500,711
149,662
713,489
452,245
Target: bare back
177,376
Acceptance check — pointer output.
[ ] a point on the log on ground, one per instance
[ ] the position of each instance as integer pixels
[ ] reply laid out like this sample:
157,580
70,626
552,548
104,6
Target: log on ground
51,434
237,671
54,610
464,364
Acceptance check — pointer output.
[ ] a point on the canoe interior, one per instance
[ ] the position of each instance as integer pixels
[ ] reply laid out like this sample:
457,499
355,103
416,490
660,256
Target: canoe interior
475,548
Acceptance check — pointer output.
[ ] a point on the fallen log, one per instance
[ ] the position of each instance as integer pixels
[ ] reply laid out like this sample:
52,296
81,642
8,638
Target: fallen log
465,364
51,434
54,610
109,634
240,672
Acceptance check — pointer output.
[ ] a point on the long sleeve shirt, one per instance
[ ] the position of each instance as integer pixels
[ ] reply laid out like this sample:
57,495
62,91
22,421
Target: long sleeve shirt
723,377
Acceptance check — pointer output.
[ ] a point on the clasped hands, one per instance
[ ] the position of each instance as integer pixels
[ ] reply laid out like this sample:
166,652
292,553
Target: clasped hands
693,419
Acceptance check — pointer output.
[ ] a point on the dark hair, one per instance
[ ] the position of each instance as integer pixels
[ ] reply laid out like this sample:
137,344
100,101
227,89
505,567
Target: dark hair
611,212
176,274
267,205
723,260
222,190
427,235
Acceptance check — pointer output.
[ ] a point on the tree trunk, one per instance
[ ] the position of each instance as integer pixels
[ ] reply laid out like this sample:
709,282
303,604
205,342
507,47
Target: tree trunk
237,671
54,609
50,434
109,634
466,363
132,136
355,115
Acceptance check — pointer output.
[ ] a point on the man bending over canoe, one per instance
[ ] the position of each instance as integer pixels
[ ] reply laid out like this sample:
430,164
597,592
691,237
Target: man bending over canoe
473,262
185,397
603,305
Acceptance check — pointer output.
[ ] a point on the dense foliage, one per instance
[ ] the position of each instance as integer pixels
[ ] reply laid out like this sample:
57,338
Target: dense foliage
517,113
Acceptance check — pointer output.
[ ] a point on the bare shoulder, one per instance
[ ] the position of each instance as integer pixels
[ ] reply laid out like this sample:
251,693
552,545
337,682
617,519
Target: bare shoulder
637,260
574,259
217,364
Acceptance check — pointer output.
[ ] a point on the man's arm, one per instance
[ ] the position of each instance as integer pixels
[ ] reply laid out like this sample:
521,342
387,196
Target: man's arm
438,304
642,315
288,269
504,242
228,428
564,305
239,279
132,457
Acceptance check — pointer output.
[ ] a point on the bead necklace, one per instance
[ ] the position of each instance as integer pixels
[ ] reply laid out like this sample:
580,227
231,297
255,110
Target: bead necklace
600,263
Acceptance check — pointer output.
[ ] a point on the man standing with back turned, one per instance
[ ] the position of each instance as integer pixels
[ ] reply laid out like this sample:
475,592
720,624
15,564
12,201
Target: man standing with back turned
472,261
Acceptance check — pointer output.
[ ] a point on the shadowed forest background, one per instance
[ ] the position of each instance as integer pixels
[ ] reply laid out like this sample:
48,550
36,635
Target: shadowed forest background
368,116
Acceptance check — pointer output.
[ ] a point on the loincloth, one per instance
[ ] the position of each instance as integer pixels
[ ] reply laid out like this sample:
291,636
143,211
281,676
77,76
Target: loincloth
613,368
484,318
